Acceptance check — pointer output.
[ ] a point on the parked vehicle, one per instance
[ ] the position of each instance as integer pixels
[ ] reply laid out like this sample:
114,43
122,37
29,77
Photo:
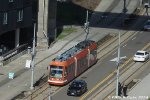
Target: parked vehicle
72,63
141,56
77,88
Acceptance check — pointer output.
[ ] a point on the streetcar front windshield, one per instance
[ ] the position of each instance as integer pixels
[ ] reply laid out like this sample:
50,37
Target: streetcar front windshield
56,71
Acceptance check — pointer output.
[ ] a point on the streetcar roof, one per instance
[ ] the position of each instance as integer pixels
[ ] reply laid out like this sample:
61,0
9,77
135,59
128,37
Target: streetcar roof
73,51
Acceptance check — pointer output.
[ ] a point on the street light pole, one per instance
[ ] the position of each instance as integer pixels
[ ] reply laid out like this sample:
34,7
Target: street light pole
49,97
118,63
86,25
124,7
33,57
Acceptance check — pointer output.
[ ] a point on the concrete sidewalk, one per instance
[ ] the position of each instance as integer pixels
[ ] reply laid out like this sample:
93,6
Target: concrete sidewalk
142,90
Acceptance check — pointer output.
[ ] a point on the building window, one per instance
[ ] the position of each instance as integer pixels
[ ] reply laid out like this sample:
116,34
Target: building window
11,0
5,18
20,15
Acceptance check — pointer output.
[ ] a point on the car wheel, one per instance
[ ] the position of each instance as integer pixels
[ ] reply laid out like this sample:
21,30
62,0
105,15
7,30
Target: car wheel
86,89
145,29
68,94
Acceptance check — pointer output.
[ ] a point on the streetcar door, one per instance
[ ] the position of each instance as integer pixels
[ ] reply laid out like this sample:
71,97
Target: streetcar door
65,72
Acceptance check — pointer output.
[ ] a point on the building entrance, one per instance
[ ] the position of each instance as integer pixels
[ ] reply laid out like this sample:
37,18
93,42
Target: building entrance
7,41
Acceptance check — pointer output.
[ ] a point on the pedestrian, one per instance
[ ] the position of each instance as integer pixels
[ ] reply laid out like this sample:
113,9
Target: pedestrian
125,90
119,89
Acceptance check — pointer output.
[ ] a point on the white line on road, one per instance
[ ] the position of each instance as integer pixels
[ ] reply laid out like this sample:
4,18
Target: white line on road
125,45
134,38
114,53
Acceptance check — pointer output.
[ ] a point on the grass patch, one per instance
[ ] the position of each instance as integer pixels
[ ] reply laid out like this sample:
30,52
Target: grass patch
66,32
69,30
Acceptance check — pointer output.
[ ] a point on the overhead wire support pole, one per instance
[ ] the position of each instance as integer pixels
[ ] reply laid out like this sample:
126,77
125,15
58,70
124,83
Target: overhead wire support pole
118,63
87,15
86,25
33,57
43,17
49,97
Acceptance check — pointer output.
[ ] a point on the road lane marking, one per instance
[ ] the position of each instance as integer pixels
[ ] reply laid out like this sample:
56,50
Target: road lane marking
110,75
125,45
146,46
133,38
114,53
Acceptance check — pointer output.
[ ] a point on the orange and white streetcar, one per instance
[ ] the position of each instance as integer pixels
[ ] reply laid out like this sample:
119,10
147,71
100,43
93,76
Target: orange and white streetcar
72,63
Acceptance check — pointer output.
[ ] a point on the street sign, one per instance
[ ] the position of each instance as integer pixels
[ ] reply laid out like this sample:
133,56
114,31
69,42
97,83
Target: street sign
28,63
11,75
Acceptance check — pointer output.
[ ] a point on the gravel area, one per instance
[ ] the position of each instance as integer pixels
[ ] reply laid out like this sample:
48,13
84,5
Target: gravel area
88,4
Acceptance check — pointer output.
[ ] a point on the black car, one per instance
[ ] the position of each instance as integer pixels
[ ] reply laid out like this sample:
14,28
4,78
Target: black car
77,88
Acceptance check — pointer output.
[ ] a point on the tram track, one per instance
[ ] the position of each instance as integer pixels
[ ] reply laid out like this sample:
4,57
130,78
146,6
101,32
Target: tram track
113,41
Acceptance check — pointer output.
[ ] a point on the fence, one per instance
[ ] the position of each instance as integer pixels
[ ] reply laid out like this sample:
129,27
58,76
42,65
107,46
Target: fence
13,54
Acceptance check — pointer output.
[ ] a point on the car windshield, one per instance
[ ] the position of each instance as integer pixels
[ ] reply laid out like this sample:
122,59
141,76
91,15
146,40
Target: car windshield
148,23
139,53
75,86
56,71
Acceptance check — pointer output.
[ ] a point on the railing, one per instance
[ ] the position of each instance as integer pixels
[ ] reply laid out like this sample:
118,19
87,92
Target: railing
13,54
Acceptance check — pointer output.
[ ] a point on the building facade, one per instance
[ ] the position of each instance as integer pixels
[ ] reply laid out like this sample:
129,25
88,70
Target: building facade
16,24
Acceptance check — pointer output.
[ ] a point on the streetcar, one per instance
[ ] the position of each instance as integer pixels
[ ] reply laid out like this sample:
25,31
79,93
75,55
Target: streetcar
72,63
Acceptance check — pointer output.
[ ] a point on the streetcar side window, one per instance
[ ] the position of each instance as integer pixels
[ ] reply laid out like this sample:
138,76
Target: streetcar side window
94,52
81,63
70,68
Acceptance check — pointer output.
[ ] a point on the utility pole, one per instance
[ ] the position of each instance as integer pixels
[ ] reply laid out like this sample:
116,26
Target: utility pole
118,63
33,57
124,7
49,97
86,25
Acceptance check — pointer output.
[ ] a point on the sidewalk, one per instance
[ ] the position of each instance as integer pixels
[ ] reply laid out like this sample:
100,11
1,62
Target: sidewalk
142,90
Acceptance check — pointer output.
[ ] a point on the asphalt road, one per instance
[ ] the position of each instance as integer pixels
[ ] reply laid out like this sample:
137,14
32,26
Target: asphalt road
104,67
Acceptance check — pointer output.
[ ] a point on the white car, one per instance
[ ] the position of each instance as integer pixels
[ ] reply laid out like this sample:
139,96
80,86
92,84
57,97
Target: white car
147,25
141,56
